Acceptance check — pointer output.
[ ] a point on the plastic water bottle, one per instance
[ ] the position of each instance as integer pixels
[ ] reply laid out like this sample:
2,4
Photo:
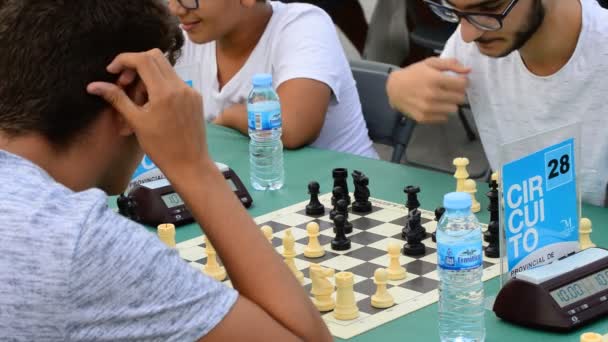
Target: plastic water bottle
265,146
460,263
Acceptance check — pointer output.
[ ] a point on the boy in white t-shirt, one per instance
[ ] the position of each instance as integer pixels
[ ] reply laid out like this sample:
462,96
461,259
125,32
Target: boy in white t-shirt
231,40
531,66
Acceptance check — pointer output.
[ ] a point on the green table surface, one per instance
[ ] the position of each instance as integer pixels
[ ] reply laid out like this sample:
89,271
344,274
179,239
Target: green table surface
387,181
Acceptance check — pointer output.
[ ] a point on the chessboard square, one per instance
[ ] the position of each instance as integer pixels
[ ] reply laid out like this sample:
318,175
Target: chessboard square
401,295
421,284
323,225
332,234
366,253
365,306
387,215
365,238
433,275
303,212
383,244
430,226
401,281
420,267
384,260
353,246
429,243
432,258
341,263
323,239
199,240
427,251
197,266
366,287
276,226
487,264
276,241
365,223
374,209
365,270
192,253
386,229
292,219
297,233
328,255
301,264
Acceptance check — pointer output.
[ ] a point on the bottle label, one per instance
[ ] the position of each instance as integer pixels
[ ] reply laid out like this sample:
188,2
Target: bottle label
459,257
264,120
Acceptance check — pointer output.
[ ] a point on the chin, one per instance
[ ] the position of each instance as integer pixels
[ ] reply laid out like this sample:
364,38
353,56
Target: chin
495,50
200,38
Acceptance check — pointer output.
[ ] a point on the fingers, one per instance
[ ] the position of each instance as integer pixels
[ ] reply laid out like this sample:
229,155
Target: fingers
126,77
447,64
451,83
144,64
116,97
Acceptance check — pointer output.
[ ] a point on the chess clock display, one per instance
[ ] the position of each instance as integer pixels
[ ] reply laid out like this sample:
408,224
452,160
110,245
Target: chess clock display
156,202
561,296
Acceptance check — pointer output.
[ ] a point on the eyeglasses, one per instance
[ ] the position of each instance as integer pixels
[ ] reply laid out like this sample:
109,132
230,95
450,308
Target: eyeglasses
189,4
482,21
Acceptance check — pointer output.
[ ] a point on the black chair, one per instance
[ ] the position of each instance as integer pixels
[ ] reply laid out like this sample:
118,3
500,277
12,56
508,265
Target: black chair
385,125
603,3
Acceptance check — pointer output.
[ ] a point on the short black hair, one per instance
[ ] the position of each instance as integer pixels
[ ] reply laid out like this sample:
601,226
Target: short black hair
50,50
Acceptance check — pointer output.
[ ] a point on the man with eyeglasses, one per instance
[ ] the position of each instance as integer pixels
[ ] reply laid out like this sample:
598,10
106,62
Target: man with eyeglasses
525,67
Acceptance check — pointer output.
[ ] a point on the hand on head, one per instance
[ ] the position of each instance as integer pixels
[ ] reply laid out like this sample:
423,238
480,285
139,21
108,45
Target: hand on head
429,90
169,125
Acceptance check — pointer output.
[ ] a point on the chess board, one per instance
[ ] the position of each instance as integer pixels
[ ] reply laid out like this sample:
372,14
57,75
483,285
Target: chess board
370,237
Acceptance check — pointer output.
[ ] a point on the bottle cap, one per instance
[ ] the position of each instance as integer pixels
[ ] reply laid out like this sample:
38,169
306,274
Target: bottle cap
262,80
457,200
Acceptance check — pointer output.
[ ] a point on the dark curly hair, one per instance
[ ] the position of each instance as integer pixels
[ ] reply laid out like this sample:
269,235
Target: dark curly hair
51,49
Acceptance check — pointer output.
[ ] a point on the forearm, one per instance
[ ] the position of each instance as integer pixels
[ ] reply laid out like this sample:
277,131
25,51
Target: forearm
234,117
254,267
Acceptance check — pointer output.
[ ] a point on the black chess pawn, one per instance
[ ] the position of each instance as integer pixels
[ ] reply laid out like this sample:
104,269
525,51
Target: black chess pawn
337,194
340,242
412,197
362,203
414,245
340,175
438,214
493,249
342,209
314,207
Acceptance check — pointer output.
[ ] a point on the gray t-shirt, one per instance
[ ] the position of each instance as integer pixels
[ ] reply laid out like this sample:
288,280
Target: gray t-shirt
73,270
510,103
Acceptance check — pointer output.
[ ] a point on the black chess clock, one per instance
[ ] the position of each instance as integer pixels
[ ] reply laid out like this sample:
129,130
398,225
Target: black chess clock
156,202
560,296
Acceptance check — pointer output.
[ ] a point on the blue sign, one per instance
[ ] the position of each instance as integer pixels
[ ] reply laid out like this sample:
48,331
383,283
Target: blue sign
541,207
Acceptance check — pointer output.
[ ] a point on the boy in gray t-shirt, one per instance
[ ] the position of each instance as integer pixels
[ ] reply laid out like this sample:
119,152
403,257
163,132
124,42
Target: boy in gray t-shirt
70,125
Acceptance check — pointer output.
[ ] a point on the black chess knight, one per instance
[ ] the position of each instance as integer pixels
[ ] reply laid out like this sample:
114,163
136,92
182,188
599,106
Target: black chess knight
362,203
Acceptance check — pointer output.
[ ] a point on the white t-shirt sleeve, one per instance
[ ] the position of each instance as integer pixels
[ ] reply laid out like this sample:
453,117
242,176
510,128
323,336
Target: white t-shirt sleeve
307,46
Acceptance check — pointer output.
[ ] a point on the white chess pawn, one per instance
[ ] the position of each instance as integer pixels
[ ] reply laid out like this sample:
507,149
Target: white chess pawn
346,305
289,252
212,268
322,288
584,232
166,234
395,270
461,172
267,231
382,298
470,187
591,337
314,248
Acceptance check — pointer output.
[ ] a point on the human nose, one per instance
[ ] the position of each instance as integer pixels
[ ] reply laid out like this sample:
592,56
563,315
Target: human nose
176,8
469,32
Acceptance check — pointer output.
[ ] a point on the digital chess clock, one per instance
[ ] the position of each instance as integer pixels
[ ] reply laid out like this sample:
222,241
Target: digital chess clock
560,296
156,202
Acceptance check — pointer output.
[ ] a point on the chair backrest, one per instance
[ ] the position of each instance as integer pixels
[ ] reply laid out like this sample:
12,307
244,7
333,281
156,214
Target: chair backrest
603,3
385,125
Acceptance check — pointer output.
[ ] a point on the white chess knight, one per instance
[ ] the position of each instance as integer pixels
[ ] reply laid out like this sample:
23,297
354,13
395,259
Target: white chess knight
322,288
289,252
584,234
314,248
212,268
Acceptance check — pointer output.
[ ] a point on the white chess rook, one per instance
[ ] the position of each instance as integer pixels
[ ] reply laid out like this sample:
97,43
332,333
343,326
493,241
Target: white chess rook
346,306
